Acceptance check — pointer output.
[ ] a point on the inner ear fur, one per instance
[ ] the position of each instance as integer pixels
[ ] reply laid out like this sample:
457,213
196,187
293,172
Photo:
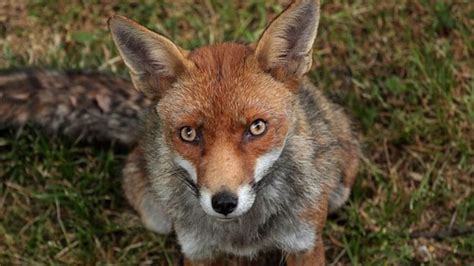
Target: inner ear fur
153,60
285,47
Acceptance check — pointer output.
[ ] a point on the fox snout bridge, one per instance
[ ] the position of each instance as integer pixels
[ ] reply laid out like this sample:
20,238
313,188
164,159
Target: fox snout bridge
224,202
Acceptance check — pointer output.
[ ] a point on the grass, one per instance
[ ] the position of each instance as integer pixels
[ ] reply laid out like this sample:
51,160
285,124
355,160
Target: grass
402,69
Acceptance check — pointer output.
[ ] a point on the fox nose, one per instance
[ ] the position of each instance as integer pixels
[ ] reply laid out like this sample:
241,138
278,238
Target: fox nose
224,202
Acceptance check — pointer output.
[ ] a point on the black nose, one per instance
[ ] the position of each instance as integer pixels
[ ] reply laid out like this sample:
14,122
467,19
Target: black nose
224,202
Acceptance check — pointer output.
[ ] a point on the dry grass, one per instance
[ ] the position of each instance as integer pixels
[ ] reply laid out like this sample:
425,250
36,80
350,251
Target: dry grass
403,70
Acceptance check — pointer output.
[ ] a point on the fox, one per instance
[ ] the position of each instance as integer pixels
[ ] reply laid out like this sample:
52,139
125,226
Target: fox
233,149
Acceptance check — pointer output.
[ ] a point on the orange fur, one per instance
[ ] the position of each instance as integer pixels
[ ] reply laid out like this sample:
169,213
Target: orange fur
227,82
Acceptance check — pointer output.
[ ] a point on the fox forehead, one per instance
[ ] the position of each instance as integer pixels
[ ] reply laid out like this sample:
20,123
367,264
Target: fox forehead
225,84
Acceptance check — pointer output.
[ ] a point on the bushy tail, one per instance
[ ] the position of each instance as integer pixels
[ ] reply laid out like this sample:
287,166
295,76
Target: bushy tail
94,107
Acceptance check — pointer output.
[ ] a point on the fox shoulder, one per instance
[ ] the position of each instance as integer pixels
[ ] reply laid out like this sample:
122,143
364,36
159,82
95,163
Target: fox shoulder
333,132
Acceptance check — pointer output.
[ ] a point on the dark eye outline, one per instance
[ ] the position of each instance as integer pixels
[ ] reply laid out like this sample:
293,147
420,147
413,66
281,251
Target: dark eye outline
249,132
196,138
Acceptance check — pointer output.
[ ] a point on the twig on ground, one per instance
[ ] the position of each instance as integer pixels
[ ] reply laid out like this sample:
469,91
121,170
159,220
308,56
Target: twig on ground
443,233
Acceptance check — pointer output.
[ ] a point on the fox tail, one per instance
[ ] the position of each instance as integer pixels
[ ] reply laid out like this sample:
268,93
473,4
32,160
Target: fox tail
89,106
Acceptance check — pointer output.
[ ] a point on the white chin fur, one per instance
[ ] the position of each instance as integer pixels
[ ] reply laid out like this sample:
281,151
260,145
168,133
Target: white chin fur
246,198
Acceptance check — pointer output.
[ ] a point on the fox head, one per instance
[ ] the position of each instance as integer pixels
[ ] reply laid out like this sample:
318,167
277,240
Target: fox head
225,110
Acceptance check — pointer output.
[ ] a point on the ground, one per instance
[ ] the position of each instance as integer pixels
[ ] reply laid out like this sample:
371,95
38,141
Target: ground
403,70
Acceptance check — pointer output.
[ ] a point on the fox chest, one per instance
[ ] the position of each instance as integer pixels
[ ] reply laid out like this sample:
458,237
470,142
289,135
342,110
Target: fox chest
209,241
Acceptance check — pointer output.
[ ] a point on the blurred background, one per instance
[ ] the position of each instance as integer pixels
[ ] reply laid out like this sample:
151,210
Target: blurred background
402,69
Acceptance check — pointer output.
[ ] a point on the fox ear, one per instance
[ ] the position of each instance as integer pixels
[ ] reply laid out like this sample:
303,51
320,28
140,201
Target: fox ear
153,60
286,44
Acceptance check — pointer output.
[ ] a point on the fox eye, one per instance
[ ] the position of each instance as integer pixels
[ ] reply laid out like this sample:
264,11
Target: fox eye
188,134
258,127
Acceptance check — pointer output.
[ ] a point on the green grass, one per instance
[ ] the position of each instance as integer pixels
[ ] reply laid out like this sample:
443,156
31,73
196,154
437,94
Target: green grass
402,69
